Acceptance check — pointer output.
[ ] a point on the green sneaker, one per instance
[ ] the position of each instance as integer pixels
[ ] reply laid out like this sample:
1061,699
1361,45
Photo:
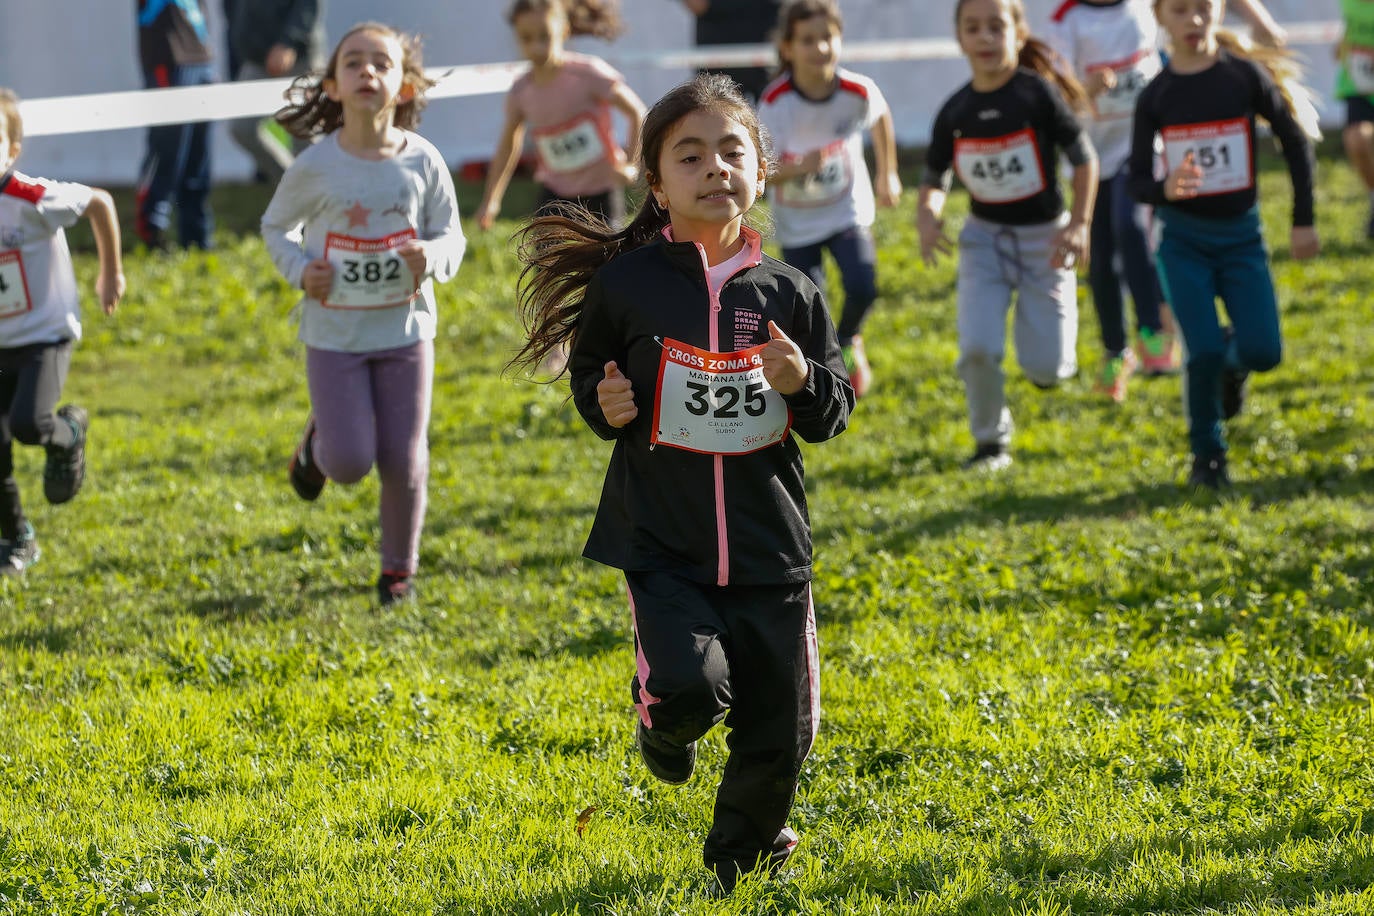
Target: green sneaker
1158,352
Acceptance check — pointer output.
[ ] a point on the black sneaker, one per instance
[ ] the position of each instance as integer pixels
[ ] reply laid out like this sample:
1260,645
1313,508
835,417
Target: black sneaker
306,477
65,470
728,873
672,763
394,587
1209,473
989,457
20,553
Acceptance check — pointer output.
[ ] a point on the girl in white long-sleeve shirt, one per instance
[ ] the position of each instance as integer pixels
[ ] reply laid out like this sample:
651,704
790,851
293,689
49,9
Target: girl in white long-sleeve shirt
364,222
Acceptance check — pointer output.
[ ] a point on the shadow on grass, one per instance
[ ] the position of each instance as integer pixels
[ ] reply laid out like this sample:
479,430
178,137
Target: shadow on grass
54,638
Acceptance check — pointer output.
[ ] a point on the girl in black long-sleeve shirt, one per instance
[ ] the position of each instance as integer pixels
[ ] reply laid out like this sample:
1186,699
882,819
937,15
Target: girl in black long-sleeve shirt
1203,107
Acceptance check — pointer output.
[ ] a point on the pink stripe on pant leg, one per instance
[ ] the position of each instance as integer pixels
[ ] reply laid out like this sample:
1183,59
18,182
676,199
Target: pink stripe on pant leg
646,699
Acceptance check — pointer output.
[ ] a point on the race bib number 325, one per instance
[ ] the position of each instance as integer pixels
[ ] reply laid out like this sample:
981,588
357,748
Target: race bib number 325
368,273
716,403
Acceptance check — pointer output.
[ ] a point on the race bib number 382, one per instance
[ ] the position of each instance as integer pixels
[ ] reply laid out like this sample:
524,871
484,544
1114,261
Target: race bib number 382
716,403
368,273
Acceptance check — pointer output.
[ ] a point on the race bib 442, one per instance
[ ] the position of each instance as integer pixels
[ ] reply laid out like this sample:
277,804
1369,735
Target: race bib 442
716,403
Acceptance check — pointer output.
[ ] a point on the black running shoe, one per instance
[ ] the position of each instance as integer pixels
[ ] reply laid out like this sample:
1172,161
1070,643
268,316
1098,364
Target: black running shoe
20,553
65,470
395,587
989,457
1209,473
672,763
1234,383
306,477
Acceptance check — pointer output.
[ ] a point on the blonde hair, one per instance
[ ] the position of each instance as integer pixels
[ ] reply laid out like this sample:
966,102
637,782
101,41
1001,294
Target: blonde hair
309,112
9,110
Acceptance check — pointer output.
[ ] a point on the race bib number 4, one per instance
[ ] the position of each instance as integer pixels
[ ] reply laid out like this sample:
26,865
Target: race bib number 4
829,183
1359,63
368,273
573,145
1221,149
716,403
1000,170
14,285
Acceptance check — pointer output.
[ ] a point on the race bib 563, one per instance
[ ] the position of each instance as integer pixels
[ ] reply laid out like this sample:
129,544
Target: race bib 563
572,145
716,403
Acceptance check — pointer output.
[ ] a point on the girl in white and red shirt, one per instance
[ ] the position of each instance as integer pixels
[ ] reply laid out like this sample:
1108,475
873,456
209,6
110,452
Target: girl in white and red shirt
40,322
564,101
822,197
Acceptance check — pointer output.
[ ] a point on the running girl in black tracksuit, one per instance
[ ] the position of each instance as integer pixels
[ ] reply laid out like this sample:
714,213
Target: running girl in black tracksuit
704,361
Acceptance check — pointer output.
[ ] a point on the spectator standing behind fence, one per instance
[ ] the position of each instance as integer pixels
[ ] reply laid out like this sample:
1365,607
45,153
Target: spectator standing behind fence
173,51
736,22
270,39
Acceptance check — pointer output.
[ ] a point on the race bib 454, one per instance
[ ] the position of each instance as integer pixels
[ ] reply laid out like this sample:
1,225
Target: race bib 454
1000,170
716,403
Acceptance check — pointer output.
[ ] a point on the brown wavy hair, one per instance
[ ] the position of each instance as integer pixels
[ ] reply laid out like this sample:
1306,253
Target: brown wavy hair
9,110
1040,57
309,112
600,18
564,246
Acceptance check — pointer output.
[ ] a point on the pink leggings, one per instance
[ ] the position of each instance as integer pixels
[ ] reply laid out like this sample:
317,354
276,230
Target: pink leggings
373,408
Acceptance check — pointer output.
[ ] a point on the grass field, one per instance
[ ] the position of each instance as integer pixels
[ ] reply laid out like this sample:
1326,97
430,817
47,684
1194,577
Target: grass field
1072,688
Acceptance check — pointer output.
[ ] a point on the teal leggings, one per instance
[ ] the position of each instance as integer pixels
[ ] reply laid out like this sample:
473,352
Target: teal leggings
1200,260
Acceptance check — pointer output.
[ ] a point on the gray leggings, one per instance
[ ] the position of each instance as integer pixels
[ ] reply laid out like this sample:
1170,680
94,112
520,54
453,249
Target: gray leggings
996,261
373,408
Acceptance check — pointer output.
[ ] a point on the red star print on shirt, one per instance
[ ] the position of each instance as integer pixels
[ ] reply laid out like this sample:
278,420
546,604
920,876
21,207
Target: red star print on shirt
357,215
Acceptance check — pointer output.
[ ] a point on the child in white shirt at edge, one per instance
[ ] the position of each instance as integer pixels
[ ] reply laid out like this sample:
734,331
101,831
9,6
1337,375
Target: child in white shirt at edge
821,196
1113,47
380,226
40,322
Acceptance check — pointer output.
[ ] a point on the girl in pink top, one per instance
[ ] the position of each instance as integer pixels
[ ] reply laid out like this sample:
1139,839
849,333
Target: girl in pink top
564,101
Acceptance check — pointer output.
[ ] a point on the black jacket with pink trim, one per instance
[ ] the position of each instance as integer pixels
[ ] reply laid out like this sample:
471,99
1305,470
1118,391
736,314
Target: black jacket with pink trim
658,508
